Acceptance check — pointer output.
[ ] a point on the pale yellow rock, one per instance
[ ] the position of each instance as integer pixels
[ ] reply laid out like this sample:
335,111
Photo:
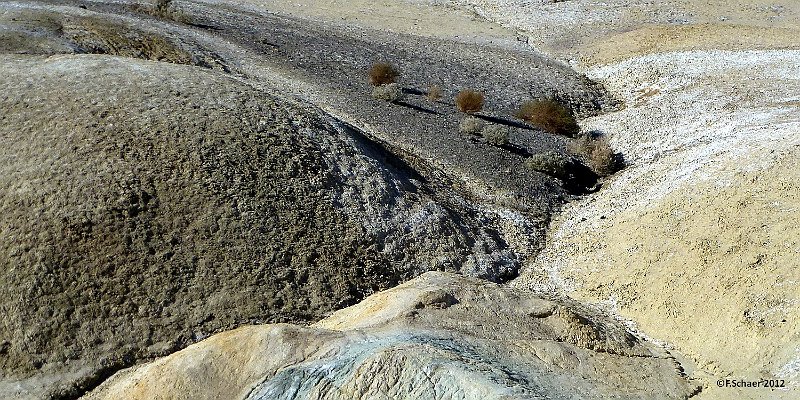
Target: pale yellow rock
601,31
432,18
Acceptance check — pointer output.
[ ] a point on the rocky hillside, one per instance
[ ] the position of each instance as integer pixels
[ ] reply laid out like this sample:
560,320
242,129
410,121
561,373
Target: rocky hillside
167,176
701,221
176,169
601,31
148,205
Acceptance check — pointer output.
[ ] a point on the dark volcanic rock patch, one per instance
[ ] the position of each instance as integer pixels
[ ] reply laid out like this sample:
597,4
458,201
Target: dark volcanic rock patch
335,61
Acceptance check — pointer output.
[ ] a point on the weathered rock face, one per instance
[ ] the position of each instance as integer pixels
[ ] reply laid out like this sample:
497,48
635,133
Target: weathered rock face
147,205
438,336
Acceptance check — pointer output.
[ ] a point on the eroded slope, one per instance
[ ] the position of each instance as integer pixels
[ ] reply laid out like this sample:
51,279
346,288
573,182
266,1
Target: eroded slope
146,205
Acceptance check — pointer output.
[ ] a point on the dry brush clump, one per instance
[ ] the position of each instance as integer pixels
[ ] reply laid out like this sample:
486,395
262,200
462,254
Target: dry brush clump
391,92
166,9
435,93
597,152
549,115
469,101
495,135
550,163
471,126
382,74
162,7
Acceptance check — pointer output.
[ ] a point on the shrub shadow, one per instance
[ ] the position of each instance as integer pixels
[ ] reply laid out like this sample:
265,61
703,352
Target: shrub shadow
581,180
518,150
380,153
504,121
416,107
414,91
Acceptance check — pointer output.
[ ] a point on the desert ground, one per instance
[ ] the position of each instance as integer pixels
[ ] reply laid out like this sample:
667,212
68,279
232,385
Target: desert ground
207,200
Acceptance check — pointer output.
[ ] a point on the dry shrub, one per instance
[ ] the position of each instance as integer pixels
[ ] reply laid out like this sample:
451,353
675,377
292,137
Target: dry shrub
469,101
597,152
382,74
582,145
550,163
602,160
471,126
162,8
166,9
549,115
434,93
495,135
391,92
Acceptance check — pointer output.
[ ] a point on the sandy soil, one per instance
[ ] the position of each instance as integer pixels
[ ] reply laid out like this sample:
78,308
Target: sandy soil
425,18
154,203
147,205
596,31
694,243
591,31
699,224
702,210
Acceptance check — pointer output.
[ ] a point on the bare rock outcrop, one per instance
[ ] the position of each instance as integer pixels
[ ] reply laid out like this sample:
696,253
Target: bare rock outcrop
439,336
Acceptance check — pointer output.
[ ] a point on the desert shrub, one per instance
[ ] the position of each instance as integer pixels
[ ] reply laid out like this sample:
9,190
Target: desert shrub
495,134
471,125
434,93
166,9
382,74
162,7
597,152
469,101
391,92
603,160
550,163
549,115
582,145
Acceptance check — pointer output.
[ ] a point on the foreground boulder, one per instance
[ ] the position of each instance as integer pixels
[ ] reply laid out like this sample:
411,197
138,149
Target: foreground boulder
439,336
